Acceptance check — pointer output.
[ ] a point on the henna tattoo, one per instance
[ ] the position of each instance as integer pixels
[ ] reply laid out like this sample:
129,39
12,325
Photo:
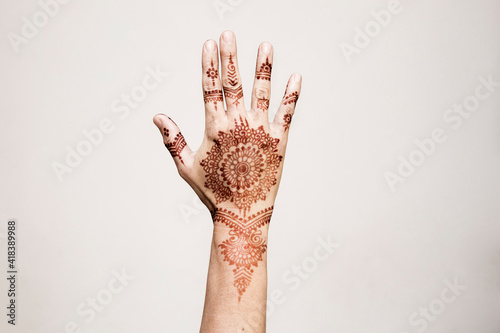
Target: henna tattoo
213,96
264,72
165,132
245,246
287,119
235,94
175,147
262,104
212,72
291,99
241,166
232,91
231,72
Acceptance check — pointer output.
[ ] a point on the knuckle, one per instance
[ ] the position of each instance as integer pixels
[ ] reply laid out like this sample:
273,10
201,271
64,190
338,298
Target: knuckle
289,108
262,92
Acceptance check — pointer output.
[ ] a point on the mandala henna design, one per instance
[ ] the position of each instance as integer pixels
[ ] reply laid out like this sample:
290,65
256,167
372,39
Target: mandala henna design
234,91
213,96
212,72
175,147
241,166
264,72
245,246
287,119
291,99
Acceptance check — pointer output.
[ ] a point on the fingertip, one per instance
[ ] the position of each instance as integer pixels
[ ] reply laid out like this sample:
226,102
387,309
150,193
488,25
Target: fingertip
210,45
296,77
266,47
228,36
157,120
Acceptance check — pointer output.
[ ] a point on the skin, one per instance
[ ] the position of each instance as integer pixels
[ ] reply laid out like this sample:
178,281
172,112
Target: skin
241,154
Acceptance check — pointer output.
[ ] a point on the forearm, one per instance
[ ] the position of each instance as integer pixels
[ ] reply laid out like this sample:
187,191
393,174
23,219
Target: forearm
236,294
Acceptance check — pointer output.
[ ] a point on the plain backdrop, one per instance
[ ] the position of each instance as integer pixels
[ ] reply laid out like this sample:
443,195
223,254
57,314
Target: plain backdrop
123,208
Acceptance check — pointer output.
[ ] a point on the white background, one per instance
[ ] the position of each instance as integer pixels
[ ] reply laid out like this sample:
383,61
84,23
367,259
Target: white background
124,206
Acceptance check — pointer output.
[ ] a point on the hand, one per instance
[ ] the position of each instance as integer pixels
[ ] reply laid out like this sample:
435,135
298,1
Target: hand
238,166
236,173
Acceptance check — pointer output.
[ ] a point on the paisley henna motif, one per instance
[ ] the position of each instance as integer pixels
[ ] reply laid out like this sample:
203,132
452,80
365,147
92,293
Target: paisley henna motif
245,246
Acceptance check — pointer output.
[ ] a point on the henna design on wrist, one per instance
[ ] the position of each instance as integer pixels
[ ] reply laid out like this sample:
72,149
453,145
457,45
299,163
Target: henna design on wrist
287,119
291,99
245,246
175,147
242,165
264,72
233,91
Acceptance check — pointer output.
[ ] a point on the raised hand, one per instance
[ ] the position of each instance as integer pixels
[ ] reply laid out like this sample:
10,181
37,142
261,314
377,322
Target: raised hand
237,170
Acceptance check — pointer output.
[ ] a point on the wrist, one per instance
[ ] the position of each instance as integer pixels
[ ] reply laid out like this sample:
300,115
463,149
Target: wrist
226,219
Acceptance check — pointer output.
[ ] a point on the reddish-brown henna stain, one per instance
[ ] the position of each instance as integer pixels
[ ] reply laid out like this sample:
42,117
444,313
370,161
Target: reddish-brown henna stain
287,119
234,90
241,166
291,98
212,72
262,104
165,132
176,146
245,246
214,95
264,72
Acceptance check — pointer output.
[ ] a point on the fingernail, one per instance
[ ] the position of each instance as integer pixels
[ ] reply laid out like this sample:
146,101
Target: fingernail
265,48
228,37
296,77
209,45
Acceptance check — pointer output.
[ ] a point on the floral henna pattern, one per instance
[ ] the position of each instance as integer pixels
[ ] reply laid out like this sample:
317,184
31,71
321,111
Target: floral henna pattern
212,72
233,91
241,166
214,95
264,72
175,147
245,246
287,119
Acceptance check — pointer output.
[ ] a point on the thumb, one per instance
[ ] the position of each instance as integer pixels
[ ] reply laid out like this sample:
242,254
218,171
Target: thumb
174,141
